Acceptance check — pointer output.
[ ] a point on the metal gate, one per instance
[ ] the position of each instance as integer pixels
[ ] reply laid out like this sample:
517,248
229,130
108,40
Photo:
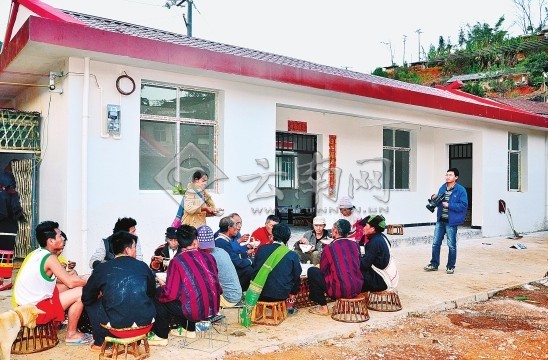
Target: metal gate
20,151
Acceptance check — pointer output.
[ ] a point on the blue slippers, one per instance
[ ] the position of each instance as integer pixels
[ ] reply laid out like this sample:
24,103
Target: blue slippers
85,340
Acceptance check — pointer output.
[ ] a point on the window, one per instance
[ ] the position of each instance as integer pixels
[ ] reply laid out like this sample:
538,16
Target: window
178,127
396,150
514,161
286,171
289,148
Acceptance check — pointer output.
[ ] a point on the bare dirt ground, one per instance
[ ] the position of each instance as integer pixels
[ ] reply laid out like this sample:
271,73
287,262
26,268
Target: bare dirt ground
511,325
473,328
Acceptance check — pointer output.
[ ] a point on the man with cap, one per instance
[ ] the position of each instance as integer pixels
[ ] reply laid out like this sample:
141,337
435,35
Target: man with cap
347,210
228,277
339,274
376,255
313,238
165,252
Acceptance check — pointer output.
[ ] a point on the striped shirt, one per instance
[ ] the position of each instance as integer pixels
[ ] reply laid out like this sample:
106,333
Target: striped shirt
340,266
193,279
445,210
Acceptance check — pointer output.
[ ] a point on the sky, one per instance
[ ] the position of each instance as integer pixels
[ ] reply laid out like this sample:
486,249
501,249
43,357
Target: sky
353,34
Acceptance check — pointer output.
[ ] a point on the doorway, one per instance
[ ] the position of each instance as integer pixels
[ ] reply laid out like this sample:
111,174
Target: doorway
20,156
295,178
460,157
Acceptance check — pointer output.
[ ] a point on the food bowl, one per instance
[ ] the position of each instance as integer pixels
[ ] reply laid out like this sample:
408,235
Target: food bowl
306,247
162,276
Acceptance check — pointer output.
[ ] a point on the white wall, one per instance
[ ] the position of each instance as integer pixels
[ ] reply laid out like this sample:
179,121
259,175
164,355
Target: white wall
249,118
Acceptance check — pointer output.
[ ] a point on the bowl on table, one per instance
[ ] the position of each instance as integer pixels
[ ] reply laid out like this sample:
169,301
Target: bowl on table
306,247
162,276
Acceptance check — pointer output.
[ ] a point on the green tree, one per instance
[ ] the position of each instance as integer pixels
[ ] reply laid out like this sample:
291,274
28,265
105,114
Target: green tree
534,66
481,36
380,72
473,88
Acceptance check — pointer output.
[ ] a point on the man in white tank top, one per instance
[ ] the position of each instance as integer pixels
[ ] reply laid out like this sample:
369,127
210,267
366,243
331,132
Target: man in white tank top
37,279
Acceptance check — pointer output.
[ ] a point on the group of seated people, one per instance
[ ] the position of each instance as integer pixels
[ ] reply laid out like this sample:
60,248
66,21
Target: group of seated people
204,271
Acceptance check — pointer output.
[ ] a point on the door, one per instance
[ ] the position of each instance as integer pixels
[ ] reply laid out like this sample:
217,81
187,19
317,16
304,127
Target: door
295,177
460,157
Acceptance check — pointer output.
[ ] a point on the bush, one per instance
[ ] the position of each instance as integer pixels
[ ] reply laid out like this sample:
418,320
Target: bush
473,88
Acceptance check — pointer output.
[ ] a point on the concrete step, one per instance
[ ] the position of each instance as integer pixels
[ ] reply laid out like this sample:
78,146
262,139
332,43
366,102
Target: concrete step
415,235
421,235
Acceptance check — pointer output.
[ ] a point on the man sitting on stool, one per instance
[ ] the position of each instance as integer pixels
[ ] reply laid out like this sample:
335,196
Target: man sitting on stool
313,238
119,292
376,255
192,290
165,252
284,280
339,274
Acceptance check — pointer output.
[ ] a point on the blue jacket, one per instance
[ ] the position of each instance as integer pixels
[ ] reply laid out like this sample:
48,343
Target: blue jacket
126,287
458,204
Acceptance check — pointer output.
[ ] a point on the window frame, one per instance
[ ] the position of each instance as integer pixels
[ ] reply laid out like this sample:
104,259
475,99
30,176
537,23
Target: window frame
514,152
177,121
393,149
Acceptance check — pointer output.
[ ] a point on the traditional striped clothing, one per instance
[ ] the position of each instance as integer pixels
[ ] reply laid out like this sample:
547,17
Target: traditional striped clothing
340,267
192,278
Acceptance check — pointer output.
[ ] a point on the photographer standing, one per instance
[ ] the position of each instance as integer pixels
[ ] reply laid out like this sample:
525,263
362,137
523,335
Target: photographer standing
451,214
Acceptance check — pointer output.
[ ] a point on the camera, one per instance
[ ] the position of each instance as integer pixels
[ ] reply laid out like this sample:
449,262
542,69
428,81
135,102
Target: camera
433,203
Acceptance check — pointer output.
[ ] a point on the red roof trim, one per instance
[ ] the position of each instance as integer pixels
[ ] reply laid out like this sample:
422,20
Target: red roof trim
14,47
11,23
39,8
86,38
46,11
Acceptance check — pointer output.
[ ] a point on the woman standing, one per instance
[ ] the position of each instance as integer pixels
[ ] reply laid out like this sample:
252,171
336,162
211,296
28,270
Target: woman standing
198,203
10,213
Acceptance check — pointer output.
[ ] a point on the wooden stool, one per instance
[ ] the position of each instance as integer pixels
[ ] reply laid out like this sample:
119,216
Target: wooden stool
126,337
387,300
130,342
351,310
269,313
29,341
395,229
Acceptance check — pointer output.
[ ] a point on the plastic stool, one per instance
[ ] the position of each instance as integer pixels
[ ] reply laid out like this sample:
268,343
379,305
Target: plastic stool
387,300
351,310
269,313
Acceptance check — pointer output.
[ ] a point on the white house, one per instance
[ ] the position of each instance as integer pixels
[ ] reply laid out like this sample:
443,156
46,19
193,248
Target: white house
120,125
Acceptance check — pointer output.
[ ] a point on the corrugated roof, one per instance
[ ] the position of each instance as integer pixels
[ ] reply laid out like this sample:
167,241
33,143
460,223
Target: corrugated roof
179,39
95,34
536,107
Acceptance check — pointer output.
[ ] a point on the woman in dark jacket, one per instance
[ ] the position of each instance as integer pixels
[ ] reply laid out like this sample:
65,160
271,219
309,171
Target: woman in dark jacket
10,213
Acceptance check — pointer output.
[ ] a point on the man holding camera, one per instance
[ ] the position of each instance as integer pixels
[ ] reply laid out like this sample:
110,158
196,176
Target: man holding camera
451,213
